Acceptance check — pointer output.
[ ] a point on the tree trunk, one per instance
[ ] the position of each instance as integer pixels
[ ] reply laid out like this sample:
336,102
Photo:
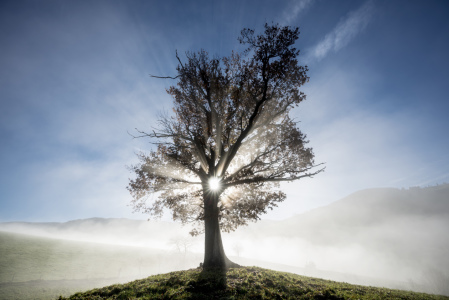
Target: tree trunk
214,255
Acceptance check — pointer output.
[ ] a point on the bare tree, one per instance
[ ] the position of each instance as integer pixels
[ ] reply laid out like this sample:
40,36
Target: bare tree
222,155
237,247
182,244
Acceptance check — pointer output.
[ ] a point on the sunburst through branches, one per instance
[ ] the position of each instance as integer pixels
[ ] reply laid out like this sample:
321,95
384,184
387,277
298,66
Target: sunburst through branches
214,184
221,156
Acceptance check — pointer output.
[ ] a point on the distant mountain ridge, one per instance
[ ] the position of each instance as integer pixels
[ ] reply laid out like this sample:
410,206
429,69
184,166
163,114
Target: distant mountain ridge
379,205
376,201
417,208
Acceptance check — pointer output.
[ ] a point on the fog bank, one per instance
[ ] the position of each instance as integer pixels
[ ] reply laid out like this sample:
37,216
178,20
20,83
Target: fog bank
384,237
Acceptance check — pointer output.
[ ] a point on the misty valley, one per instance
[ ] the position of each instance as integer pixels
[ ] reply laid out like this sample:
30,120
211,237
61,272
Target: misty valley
224,150
380,237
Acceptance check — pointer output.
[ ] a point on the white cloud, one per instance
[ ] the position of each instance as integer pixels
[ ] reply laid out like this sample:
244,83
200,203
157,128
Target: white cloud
344,32
294,10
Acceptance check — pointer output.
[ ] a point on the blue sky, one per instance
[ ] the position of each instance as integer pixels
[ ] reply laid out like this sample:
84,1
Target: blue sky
74,81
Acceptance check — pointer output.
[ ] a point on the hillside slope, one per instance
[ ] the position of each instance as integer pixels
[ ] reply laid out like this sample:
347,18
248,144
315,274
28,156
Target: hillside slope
242,283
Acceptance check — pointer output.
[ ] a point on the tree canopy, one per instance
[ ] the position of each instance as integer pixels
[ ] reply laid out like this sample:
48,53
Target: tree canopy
230,139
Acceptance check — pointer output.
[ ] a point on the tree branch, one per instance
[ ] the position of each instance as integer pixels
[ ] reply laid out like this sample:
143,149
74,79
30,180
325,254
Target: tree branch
164,77
271,179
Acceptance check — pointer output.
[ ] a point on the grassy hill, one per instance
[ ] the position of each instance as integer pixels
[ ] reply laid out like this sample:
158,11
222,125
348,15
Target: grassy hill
242,283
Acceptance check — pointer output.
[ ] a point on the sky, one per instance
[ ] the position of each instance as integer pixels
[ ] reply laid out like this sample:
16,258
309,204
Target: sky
74,83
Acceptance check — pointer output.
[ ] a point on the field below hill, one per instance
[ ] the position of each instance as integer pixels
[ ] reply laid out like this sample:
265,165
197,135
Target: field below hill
42,268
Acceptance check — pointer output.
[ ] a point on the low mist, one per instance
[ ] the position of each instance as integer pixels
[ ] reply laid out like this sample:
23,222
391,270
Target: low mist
382,237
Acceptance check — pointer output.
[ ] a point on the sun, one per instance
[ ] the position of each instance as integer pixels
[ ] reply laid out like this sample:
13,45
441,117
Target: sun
214,183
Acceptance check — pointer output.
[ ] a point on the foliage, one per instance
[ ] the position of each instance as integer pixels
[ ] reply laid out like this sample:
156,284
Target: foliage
242,283
231,122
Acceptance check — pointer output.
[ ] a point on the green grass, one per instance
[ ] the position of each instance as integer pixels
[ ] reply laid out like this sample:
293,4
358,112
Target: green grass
43,268
242,283
25,258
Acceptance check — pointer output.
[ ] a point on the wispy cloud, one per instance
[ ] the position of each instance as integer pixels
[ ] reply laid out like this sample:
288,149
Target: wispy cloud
294,10
344,32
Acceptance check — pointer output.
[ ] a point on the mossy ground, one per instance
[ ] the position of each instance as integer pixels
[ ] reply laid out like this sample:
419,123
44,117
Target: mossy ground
242,283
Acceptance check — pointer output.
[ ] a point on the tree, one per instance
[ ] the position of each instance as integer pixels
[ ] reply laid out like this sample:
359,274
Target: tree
182,244
221,156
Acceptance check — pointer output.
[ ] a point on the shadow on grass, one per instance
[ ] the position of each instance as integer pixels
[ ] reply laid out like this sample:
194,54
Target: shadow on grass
209,284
